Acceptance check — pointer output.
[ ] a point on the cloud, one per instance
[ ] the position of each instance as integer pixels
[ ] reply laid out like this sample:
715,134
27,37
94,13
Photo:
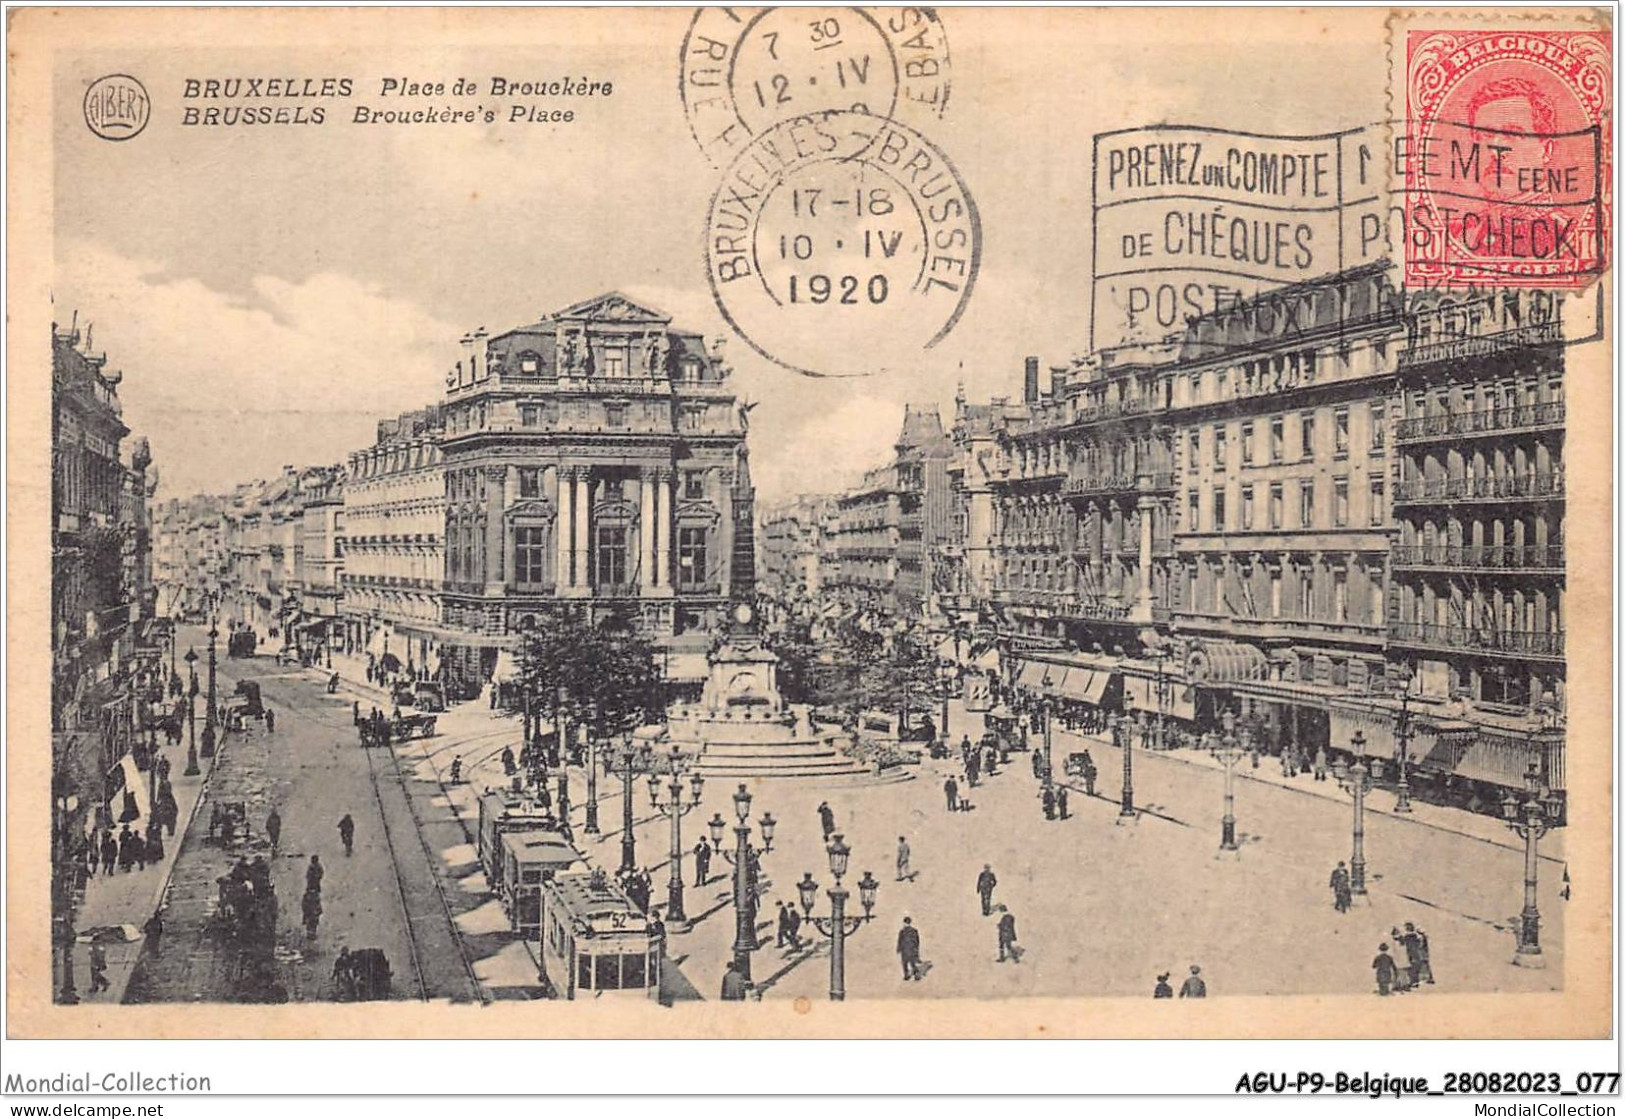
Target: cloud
231,386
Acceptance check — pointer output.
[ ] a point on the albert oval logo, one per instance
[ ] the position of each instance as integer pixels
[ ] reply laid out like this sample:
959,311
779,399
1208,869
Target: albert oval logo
117,107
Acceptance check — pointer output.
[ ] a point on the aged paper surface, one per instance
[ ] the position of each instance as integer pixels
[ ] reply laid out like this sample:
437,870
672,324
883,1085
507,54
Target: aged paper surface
392,344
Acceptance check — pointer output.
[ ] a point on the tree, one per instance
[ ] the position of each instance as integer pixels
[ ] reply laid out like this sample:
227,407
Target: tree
609,665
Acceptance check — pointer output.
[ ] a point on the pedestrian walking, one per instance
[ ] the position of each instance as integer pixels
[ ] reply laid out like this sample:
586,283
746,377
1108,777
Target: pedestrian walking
1342,897
826,819
311,908
155,845
457,770
1320,763
1060,801
783,927
903,853
1408,974
1424,955
98,968
126,849
270,721
153,930
109,852
314,873
355,715
1163,991
1007,938
347,833
1385,968
702,862
734,985
273,829
908,949
973,766
138,849
508,766
985,882
794,920
1048,798
950,789
1194,987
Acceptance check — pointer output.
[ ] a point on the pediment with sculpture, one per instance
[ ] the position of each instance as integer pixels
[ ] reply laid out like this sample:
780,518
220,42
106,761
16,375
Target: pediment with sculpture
612,307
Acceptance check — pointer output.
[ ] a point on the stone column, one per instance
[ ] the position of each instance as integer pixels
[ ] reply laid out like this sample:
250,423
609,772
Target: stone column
647,526
663,498
1147,509
583,503
496,503
564,576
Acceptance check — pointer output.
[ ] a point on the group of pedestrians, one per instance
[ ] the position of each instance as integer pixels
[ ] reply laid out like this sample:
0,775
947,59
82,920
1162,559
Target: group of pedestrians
1394,978
1194,987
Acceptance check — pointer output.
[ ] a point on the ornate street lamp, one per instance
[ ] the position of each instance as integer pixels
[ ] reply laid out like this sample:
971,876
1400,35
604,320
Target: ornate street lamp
1356,779
210,725
1124,729
674,809
629,841
743,860
591,826
1531,817
1047,712
1228,752
561,759
191,715
1403,733
838,926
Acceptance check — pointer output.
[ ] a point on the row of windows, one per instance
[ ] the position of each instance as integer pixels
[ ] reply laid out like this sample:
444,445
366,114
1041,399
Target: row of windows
533,551
1376,507
1217,438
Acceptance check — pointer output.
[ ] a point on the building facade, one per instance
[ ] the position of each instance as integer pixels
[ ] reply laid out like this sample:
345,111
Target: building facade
594,460
791,536
389,533
322,624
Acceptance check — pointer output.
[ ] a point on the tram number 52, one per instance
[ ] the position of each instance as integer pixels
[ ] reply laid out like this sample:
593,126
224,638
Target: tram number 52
819,288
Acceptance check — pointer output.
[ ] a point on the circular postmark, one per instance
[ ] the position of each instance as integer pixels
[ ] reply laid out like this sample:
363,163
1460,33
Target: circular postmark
746,70
841,243
117,107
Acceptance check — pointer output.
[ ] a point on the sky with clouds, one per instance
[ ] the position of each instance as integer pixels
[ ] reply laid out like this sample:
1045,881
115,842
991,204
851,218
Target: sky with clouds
270,293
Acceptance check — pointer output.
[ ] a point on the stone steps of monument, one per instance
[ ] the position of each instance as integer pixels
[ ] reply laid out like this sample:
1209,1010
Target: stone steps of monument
854,774
770,750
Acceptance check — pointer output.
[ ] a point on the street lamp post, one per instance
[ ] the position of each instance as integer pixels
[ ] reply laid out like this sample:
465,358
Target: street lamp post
1403,790
629,841
1125,728
838,926
1356,779
1531,817
1229,752
945,675
1047,712
674,809
210,725
591,826
743,860
191,714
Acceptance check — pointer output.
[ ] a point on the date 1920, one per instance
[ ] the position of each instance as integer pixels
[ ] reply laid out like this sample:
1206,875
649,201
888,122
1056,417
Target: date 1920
1376,1085
819,288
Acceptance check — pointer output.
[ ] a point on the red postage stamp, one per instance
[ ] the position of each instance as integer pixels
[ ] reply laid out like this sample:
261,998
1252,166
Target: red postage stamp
1505,157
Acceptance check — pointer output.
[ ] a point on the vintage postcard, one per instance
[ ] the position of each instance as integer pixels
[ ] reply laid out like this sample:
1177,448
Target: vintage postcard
810,522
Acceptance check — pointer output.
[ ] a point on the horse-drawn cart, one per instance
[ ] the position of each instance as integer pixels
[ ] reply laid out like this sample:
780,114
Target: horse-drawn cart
413,726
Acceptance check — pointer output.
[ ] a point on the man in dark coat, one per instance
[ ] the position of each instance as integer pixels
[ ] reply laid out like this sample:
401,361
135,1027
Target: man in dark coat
98,968
1424,957
784,927
347,833
314,873
985,882
908,949
273,829
702,862
109,852
734,985
153,930
826,819
1342,897
1007,938
1060,801
793,920
508,766
1409,972
138,849
1193,987
973,765
1048,799
950,789
126,848
1385,968
270,721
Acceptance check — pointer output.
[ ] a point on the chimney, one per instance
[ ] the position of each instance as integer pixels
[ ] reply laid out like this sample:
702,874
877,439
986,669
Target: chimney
1057,382
465,368
1029,391
482,368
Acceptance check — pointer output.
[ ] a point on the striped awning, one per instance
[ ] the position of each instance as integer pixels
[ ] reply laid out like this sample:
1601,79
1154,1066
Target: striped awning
1214,663
1087,685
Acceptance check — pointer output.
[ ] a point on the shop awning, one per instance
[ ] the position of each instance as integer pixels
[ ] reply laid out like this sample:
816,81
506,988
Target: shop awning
1497,759
1086,685
1032,675
1226,662
1376,727
507,667
987,660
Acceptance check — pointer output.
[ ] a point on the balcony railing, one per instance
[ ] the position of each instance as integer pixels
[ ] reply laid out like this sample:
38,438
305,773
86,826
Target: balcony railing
1120,481
1504,642
1479,345
699,588
1493,557
1490,487
1480,421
